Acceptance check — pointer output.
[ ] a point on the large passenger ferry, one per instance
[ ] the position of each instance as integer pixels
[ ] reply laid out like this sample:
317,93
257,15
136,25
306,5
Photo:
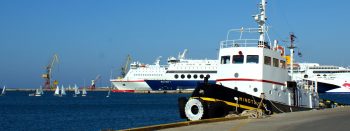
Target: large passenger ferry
330,79
178,74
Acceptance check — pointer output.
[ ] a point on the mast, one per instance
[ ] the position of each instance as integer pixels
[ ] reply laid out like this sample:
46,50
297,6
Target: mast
291,47
261,20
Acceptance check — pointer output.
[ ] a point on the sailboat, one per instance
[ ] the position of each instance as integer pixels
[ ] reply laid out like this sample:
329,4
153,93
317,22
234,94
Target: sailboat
57,91
3,91
76,91
37,92
84,92
109,92
63,91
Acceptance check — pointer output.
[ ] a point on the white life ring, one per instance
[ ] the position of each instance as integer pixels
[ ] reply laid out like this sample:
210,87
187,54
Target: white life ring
194,109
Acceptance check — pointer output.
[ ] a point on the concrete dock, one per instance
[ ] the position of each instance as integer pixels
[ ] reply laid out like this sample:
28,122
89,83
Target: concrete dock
335,119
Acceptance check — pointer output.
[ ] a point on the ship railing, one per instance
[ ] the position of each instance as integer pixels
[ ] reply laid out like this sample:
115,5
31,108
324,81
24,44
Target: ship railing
239,43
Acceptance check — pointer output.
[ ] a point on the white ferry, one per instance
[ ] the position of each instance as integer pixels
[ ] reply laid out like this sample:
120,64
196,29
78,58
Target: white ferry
252,75
330,79
179,74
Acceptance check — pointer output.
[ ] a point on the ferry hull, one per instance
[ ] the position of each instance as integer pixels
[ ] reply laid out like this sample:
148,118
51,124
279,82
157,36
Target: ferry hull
218,101
174,84
130,85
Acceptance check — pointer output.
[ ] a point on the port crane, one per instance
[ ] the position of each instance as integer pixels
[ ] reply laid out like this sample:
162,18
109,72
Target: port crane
125,67
93,82
48,75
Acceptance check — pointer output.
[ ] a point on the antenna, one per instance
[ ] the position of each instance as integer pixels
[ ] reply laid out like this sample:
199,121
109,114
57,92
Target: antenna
292,47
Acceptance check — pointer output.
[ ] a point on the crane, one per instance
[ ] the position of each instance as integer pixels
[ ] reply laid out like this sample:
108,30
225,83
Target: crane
93,82
125,67
48,75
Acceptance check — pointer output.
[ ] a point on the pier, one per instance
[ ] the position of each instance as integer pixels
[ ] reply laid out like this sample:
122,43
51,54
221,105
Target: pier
320,120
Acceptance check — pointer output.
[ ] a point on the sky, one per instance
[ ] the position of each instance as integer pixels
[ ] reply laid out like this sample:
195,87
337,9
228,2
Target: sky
93,37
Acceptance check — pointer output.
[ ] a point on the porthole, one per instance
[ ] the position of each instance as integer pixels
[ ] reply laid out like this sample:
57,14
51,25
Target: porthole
255,89
201,76
182,76
195,76
188,76
176,76
208,76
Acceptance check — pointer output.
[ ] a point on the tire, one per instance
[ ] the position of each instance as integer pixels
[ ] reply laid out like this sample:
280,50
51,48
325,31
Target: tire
195,109
181,104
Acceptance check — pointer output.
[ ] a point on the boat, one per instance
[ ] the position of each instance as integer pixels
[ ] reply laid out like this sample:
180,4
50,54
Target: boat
252,75
109,92
37,92
3,92
84,92
57,91
330,78
63,91
178,74
76,91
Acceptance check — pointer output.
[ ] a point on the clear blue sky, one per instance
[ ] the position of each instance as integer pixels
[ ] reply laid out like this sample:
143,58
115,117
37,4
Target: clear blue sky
93,37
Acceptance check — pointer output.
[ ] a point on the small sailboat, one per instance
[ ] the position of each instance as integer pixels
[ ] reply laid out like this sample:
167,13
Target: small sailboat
37,92
84,93
57,91
3,91
63,91
76,91
109,92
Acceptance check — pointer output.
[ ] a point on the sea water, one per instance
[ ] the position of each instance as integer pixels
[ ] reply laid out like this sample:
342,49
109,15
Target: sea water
18,111
94,112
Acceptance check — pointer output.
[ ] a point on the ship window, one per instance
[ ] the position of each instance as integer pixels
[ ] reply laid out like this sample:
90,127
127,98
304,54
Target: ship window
255,89
195,76
176,76
237,59
182,76
252,59
225,59
275,62
208,76
267,60
201,76
189,76
283,64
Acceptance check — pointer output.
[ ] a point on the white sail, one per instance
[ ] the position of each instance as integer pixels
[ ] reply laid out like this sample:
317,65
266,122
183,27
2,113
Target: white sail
37,92
63,91
76,90
41,91
3,90
109,92
57,91
84,92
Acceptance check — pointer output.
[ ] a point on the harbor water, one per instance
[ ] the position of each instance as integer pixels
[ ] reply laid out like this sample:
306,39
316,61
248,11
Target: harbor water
94,112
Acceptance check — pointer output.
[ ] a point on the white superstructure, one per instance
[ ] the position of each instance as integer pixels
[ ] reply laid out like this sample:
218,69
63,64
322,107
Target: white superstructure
179,73
331,79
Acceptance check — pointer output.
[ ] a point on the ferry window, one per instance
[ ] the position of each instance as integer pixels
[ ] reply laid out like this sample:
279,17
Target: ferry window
201,76
252,59
275,62
237,59
195,76
176,76
267,60
189,76
182,76
283,64
208,75
225,59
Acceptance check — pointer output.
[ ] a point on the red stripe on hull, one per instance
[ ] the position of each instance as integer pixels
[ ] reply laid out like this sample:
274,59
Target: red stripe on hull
246,79
123,91
128,81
